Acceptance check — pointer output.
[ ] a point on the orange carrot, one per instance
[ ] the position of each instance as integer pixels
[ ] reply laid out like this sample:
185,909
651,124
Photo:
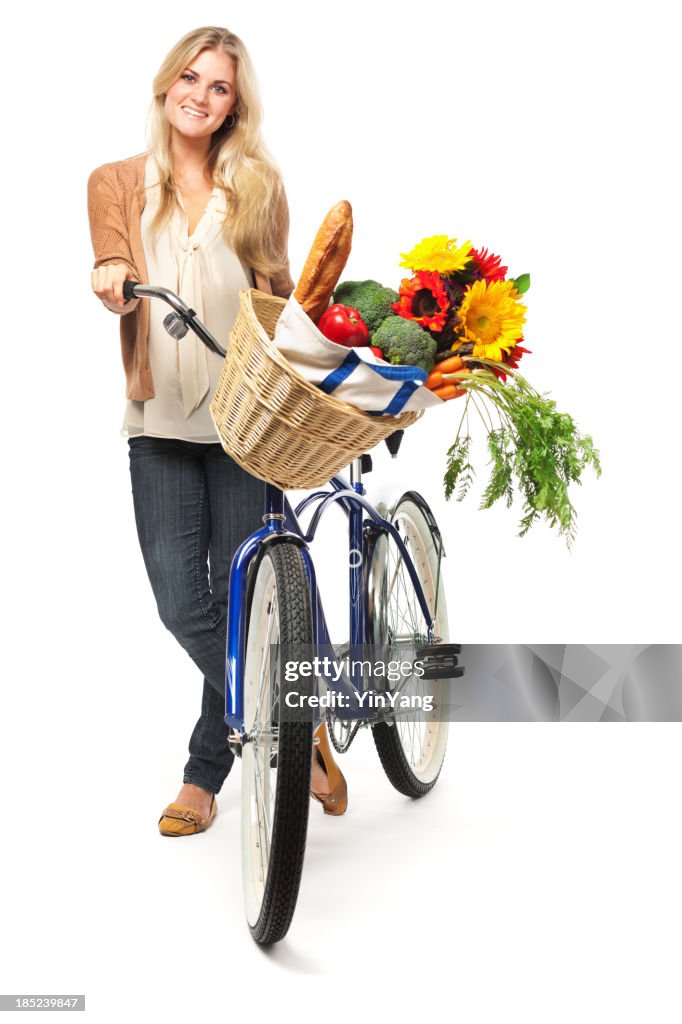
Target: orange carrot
434,379
445,391
451,364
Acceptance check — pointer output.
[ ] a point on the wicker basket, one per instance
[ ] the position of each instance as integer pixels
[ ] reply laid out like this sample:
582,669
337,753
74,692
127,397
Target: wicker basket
276,424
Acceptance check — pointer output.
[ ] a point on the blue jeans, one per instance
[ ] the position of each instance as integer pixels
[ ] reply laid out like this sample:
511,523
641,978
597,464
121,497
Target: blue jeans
194,505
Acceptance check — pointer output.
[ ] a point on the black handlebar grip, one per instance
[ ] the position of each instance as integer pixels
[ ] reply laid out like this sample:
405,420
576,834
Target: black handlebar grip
128,292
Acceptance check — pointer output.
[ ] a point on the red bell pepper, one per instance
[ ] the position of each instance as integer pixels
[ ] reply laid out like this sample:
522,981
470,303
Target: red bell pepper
344,325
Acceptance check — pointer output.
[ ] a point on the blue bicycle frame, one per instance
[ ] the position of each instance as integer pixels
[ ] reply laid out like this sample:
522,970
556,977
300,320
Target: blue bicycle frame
278,512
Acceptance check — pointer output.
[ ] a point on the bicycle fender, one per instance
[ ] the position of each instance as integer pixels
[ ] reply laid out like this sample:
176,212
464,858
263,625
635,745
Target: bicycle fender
423,505
276,537
386,497
282,535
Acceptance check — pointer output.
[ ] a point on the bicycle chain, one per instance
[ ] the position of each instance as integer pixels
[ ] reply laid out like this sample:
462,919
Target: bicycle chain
340,748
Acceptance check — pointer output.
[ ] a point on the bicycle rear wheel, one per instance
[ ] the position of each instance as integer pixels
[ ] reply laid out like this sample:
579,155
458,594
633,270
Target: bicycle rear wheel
276,755
411,747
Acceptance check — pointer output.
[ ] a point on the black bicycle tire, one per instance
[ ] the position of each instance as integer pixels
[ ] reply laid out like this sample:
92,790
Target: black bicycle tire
294,755
385,734
394,762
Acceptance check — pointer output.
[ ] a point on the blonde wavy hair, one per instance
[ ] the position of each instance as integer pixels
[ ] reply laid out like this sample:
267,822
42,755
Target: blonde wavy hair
239,162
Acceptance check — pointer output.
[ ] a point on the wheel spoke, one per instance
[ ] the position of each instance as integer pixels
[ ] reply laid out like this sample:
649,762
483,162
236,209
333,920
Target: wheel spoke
264,807
272,627
263,732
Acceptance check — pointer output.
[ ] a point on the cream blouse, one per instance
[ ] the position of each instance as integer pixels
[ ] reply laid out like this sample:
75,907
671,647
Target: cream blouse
204,271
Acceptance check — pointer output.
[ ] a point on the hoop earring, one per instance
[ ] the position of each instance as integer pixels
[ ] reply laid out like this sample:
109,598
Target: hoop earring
232,122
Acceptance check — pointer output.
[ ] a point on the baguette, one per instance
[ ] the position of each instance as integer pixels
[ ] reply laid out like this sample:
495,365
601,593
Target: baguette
326,260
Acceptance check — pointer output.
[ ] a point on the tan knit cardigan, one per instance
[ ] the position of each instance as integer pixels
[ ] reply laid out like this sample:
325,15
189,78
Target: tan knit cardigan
116,198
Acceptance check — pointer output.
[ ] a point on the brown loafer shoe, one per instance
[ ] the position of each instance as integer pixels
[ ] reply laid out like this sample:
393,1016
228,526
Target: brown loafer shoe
178,820
336,801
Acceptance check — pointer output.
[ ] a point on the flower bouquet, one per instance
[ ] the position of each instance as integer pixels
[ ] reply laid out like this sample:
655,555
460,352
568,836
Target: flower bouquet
460,319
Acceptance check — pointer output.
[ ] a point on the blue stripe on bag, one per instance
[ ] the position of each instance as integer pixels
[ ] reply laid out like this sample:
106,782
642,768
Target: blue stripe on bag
398,401
337,376
411,376
412,373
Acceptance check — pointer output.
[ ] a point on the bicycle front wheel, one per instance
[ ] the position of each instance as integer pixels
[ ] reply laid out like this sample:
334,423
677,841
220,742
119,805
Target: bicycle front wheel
411,746
276,753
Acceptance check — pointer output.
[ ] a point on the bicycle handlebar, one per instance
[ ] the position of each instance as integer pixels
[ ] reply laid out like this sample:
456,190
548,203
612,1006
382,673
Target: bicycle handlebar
185,315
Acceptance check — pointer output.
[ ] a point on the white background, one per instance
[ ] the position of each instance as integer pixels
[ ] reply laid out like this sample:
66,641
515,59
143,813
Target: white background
540,880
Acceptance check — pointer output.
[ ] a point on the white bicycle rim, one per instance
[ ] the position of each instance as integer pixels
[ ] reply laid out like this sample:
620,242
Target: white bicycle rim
259,771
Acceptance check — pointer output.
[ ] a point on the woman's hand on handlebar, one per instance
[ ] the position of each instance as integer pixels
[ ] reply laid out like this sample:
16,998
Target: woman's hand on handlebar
107,282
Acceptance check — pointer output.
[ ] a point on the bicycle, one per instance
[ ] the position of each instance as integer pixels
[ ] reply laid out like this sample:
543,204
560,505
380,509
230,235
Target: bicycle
397,604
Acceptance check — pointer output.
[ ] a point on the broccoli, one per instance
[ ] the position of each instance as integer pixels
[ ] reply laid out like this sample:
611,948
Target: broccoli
371,299
404,341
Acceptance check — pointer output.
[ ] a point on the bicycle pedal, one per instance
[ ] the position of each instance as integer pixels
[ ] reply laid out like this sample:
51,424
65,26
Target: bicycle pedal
440,661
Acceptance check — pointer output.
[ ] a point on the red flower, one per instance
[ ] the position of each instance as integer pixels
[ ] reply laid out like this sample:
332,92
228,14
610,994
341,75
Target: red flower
514,354
511,359
423,298
488,264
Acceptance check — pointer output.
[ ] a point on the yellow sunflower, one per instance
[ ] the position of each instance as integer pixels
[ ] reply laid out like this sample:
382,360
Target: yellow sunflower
438,253
492,318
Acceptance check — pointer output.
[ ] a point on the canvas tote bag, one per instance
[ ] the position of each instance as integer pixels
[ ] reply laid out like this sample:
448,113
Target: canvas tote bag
354,375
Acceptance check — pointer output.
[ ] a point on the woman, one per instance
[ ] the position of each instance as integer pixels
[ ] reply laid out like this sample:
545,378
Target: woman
202,212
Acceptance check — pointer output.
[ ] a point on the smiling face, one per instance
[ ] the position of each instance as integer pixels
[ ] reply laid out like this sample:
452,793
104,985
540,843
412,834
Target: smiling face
203,96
